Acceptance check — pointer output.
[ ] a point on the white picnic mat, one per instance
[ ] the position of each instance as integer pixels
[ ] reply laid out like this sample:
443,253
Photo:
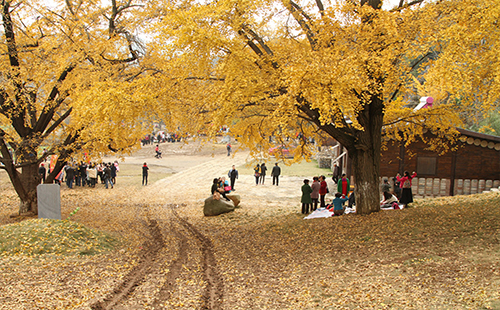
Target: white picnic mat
319,213
322,212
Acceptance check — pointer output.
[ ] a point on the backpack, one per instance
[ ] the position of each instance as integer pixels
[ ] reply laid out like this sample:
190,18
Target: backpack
407,184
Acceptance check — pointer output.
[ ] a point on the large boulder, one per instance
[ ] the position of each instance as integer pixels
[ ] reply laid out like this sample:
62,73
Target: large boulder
214,207
234,198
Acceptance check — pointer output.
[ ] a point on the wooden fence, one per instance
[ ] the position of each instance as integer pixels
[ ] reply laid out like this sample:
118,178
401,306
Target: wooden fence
436,187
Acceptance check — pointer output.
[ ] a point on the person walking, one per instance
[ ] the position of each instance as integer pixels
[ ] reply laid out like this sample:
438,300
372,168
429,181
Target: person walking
233,175
145,169
228,147
306,197
256,170
263,170
275,173
322,191
336,173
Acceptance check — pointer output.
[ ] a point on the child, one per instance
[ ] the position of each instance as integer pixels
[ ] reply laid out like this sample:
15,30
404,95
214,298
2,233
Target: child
306,197
338,202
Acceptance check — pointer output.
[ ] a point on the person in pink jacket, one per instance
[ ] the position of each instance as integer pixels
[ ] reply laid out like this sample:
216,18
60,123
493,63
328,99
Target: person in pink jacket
405,184
315,193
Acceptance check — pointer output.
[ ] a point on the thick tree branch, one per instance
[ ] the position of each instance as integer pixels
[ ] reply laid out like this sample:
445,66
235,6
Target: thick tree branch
321,8
403,6
412,67
9,34
304,21
51,104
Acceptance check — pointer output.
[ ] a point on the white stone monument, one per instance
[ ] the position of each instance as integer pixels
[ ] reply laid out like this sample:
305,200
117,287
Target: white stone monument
49,201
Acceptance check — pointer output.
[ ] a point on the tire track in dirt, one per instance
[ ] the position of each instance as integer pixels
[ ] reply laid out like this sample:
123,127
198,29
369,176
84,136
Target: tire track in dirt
214,290
137,275
174,270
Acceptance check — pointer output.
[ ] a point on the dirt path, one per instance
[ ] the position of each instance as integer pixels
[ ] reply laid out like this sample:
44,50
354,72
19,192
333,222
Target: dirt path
177,250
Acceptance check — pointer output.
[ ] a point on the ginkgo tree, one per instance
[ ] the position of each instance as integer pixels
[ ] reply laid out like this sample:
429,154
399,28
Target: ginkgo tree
340,68
68,84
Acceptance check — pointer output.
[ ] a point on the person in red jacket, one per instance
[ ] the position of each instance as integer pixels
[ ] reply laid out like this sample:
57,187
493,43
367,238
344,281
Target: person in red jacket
323,189
405,184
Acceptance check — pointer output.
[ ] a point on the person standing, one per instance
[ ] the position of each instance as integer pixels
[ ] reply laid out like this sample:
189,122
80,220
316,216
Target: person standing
83,173
256,171
306,197
42,172
315,186
344,186
70,176
275,173
385,187
397,187
233,175
263,170
107,176
405,184
228,147
322,191
92,175
145,169
112,167
336,173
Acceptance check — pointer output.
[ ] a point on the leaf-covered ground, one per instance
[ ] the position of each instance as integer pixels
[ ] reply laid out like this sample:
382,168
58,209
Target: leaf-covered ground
441,254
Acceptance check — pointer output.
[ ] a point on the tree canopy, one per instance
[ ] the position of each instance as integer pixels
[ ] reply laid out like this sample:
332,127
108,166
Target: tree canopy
75,76
67,84
340,68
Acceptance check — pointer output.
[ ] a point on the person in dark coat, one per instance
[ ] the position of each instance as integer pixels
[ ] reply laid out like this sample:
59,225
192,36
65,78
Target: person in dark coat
70,176
306,197
42,172
83,173
233,175
107,176
275,173
145,169
112,167
336,173
263,170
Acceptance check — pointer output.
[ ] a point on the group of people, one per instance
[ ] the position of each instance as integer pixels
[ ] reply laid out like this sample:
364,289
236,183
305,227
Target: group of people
315,194
161,137
402,192
220,187
260,173
83,174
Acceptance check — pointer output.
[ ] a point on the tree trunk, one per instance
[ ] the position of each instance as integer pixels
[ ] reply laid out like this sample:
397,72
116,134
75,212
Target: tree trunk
365,158
365,165
30,179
